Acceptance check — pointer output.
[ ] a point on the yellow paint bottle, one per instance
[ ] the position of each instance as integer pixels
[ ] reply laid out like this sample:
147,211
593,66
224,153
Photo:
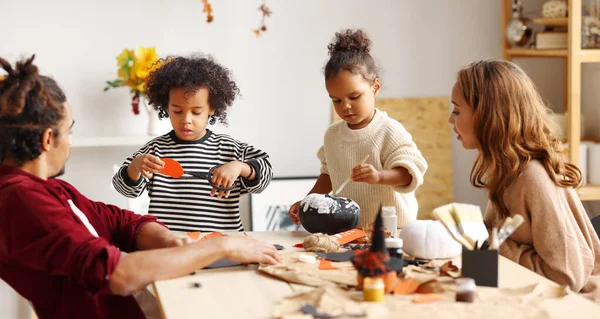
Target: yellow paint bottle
373,289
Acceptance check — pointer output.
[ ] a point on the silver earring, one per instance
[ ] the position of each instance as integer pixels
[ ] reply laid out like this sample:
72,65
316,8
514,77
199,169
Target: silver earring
212,120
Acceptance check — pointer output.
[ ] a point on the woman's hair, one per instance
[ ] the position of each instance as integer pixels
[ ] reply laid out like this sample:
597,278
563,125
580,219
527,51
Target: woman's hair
512,127
349,51
29,104
192,73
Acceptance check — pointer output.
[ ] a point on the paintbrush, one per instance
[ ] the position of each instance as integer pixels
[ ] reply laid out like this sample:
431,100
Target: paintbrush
494,239
506,222
507,230
457,219
349,178
443,215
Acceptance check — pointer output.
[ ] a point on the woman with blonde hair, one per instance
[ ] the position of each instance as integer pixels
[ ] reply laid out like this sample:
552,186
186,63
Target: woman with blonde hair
521,163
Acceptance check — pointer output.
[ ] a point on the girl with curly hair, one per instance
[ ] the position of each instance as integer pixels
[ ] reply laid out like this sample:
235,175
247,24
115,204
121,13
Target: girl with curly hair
499,112
395,167
194,92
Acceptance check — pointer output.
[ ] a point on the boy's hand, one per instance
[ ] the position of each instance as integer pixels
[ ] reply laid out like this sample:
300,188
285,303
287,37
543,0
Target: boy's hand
144,164
225,176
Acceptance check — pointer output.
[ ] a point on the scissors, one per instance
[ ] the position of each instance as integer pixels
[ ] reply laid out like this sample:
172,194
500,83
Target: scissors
174,169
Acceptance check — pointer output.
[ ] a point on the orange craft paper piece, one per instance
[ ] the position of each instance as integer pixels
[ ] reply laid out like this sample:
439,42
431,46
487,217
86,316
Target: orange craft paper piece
172,168
326,265
406,287
212,235
423,298
348,236
194,235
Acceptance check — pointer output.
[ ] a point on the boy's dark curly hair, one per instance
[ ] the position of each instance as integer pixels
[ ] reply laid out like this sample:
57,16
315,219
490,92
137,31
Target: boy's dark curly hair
350,50
29,104
192,73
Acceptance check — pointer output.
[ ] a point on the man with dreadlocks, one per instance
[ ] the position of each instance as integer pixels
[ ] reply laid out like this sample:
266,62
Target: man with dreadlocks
72,257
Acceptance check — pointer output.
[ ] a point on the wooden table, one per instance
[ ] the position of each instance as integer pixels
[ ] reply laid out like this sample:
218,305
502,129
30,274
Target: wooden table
243,292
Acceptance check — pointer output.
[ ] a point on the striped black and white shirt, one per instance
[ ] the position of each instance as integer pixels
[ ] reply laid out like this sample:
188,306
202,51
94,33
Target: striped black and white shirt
186,204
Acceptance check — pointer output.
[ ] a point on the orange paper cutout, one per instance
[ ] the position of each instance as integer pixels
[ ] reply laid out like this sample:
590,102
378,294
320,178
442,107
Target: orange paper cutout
326,265
348,236
212,235
406,287
194,235
423,298
172,168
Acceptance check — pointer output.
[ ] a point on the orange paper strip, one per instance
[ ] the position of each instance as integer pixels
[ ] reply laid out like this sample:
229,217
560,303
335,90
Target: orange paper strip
428,298
348,236
211,235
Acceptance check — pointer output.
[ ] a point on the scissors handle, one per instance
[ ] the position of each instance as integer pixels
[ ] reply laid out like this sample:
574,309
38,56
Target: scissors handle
208,176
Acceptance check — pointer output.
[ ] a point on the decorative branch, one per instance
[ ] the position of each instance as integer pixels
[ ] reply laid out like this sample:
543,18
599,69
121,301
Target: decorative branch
262,27
208,10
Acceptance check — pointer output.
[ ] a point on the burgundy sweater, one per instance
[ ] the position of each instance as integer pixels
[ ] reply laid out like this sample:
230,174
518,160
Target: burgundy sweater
56,259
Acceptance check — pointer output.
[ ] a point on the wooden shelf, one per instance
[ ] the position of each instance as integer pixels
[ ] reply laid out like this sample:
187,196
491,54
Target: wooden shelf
590,56
535,53
80,142
589,192
552,22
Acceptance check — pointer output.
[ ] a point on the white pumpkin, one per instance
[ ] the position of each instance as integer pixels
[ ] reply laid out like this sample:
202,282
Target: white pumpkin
429,239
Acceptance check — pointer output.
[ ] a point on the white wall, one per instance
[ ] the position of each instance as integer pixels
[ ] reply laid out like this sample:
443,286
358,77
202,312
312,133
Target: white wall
284,109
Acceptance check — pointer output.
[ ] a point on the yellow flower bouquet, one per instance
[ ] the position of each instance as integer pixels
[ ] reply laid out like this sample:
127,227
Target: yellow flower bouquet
133,71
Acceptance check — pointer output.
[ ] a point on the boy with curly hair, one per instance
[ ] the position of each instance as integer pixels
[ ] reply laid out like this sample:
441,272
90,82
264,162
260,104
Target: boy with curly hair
194,92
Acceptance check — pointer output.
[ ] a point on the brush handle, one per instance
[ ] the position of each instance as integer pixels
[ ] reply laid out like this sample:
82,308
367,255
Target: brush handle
505,232
349,177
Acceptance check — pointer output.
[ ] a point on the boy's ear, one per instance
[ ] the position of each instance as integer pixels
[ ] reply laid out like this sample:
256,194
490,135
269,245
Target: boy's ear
376,86
211,111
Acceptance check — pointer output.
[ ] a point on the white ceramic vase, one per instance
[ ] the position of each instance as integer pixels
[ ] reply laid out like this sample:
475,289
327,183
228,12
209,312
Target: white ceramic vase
154,127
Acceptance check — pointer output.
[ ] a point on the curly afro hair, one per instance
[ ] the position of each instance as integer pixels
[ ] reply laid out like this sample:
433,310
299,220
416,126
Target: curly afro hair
192,73
349,51
29,104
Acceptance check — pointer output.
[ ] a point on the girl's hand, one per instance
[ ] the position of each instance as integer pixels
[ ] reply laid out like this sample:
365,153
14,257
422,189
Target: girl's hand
366,173
225,176
294,211
144,164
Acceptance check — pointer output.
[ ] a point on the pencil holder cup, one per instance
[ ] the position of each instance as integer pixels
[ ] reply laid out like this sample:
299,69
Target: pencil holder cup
481,265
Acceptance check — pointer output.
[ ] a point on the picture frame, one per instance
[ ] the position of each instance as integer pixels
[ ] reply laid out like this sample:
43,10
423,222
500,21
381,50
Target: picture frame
269,209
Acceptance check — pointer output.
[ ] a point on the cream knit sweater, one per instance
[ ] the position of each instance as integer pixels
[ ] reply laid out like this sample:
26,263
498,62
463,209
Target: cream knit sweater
389,145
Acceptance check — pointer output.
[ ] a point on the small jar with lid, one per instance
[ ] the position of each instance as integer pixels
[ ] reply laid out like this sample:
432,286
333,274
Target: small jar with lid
465,289
394,246
373,289
390,220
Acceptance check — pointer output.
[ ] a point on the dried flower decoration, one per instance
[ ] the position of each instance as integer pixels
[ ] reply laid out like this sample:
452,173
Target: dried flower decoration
262,27
208,10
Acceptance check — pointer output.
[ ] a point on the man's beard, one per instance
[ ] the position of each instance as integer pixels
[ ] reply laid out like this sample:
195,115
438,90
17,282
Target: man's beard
62,171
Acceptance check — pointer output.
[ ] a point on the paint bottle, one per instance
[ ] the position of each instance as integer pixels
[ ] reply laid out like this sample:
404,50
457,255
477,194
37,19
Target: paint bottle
394,246
465,289
390,220
373,289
